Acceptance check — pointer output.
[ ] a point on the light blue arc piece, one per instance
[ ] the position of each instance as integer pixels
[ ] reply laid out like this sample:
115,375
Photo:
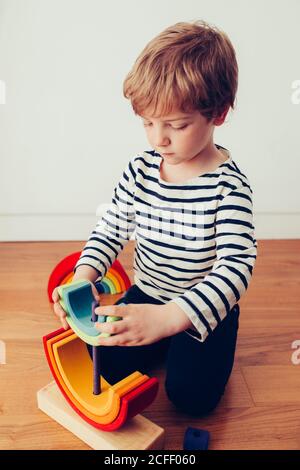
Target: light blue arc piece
78,299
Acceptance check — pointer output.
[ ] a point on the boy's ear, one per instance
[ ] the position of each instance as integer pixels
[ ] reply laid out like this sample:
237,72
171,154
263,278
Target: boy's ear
219,120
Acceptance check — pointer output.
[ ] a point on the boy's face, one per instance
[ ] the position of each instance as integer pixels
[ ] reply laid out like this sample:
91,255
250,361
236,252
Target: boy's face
182,135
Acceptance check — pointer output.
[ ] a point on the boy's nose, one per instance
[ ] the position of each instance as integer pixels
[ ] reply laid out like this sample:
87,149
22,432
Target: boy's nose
162,141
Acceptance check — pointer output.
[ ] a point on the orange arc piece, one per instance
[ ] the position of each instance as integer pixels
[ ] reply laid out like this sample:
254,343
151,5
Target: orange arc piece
77,376
131,404
74,375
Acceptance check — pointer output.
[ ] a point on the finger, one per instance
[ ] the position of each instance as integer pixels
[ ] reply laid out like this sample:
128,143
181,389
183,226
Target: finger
58,308
112,328
55,295
117,340
61,315
95,293
112,310
65,324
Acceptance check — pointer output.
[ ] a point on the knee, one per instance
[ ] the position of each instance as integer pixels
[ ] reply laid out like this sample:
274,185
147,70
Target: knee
192,401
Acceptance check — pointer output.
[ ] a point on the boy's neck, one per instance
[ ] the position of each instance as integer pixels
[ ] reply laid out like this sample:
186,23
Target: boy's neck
207,161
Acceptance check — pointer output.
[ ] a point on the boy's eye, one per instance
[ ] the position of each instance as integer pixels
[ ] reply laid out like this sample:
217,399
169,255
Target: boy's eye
147,124
180,128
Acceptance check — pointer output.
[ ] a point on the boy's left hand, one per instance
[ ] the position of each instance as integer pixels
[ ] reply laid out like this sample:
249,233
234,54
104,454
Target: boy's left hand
140,324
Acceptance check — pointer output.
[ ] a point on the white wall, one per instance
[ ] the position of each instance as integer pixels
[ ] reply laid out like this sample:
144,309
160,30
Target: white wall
63,63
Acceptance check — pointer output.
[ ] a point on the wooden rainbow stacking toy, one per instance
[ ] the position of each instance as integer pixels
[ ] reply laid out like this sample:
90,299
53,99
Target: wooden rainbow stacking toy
118,405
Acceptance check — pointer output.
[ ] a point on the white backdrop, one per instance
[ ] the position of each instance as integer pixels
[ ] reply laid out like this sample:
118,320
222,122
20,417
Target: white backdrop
67,132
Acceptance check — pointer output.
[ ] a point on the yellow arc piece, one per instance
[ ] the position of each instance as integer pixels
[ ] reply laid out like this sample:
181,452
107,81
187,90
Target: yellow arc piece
110,275
120,279
103,408
78,405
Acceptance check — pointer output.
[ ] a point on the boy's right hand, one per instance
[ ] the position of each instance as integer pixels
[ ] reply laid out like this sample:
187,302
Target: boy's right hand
60,312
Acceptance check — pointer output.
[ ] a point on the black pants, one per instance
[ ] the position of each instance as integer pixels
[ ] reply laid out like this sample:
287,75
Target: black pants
196,373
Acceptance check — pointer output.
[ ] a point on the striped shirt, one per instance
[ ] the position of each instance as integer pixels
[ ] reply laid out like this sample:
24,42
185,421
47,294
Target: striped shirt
195,243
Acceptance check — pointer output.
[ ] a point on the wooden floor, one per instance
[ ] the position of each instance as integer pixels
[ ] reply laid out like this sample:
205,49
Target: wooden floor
261,405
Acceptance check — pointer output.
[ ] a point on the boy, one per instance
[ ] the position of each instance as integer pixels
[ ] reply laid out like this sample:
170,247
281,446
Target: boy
192,210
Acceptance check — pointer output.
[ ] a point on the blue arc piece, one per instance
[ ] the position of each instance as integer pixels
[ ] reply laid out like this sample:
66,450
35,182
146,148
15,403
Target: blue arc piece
78,300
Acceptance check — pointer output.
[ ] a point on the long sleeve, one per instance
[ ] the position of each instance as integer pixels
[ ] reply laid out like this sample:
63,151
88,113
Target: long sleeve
208,302
114,228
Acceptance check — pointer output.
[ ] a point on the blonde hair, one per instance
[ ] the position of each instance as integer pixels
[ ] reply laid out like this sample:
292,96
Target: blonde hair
188,66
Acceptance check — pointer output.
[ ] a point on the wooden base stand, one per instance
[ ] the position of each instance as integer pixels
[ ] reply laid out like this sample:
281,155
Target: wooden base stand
138,434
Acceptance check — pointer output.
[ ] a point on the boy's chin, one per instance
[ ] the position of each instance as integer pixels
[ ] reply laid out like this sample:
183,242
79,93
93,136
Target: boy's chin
171,159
